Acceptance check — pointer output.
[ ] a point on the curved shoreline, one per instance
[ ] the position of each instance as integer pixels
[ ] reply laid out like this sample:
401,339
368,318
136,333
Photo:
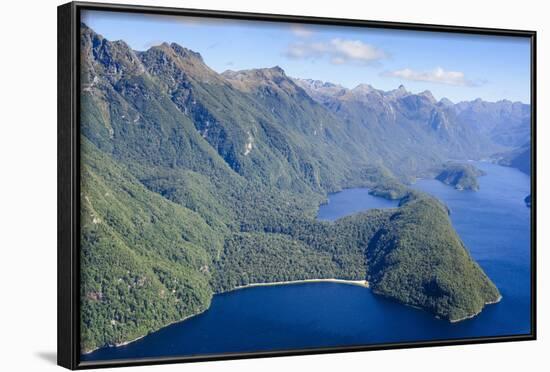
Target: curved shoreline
479,312
142,336
361,283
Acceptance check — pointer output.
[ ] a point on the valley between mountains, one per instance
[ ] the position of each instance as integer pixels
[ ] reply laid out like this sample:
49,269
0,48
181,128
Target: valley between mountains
195,183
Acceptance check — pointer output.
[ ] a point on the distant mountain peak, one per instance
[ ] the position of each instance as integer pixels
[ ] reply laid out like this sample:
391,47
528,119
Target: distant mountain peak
168,57
363,92
115,58
185,53
271,72
364,88
321,90
255,74
401,91
273,77
277,69
317,84
446,102
176,50
428,95
87,32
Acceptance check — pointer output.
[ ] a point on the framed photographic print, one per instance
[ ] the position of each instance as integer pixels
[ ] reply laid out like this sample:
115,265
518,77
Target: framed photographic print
239,185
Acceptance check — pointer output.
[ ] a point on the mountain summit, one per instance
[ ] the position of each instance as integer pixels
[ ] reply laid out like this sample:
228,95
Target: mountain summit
247,80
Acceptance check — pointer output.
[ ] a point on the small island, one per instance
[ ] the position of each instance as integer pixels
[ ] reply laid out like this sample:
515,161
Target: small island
461,176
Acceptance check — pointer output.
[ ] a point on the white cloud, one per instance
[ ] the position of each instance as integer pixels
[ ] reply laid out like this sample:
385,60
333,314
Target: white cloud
338,51
437,75
301,31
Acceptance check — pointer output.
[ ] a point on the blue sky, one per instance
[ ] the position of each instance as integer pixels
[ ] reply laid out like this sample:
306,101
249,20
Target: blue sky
459,67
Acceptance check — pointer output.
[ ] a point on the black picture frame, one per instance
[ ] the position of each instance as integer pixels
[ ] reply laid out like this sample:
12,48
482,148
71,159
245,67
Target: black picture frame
68,351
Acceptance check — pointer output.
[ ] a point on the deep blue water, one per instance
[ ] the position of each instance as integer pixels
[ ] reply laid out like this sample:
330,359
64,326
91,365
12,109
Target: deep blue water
494,224
350,201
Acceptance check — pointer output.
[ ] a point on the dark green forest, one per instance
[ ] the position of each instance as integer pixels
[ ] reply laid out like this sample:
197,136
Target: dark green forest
461,176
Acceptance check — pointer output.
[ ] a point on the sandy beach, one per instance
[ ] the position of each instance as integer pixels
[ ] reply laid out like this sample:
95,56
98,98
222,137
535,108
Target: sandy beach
361,283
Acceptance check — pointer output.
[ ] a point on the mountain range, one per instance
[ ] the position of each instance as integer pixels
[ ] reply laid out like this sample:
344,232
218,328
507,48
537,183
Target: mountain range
196,182
396,124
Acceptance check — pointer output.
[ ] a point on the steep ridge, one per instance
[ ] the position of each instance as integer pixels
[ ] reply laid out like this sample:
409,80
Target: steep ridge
257,140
